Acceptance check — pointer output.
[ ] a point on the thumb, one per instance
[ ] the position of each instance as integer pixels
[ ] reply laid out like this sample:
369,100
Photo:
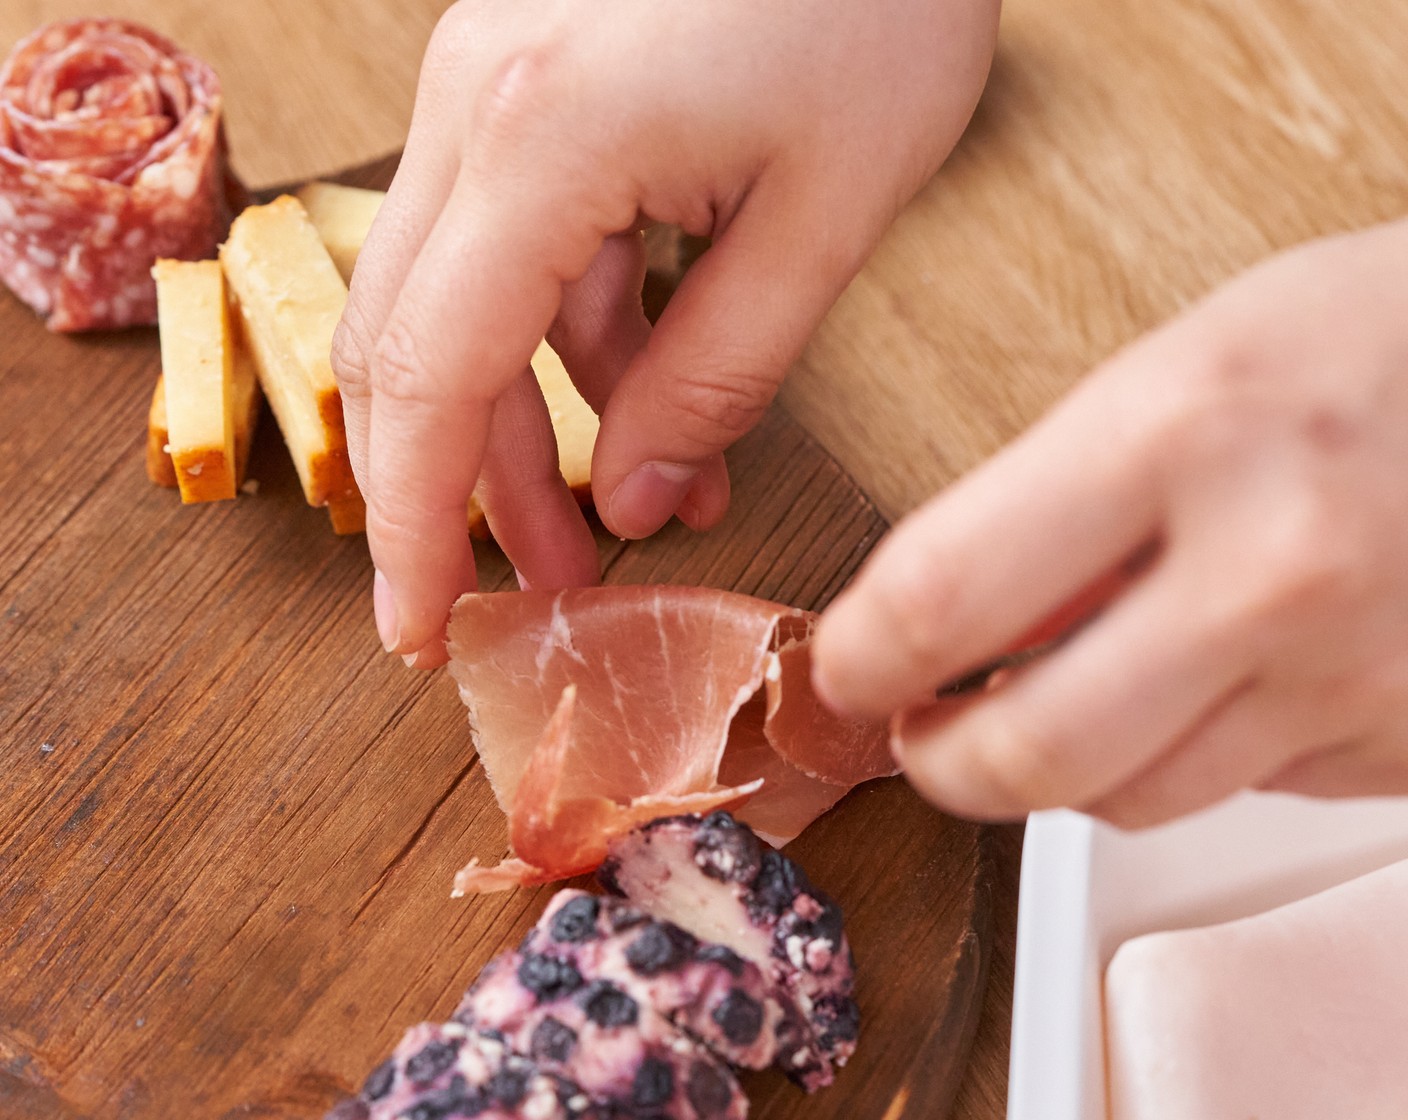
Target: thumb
714,362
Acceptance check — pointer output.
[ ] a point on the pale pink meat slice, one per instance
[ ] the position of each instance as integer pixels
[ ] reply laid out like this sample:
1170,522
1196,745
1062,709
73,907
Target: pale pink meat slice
819,743
1298,1013
596,709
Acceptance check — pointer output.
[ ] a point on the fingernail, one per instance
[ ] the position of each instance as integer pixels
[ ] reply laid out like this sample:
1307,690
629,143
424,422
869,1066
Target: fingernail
897,748
649,497
689,511
388,627
706,502
410,659
822,686
824,676
522,580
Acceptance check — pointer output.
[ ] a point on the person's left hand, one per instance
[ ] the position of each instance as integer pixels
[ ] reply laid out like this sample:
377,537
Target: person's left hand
543,136
1235,485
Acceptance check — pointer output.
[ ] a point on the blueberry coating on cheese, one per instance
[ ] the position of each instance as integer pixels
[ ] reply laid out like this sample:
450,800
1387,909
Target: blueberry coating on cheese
708,1093
379,1081
715,878
607,1005
484,1079
599,1036
659,946
576,920
653,1085
711,949
548,977
739,1017
666,969
728,850
436,1057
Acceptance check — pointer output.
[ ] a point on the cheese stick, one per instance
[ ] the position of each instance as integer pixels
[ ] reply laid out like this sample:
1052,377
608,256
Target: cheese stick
573,423
160,469
342,216
198,377
290,297
247,397
348,515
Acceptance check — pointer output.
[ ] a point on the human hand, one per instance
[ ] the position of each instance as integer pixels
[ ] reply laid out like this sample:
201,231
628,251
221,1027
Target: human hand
543,135
1235,485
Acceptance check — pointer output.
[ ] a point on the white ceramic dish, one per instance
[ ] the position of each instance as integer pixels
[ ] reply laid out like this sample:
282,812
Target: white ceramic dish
1087,887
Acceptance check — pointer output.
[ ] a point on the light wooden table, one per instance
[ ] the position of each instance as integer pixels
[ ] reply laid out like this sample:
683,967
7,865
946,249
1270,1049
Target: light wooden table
1125,159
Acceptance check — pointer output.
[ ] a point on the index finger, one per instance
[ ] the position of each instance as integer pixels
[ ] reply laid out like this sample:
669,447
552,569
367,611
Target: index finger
983,565
475,303
423,180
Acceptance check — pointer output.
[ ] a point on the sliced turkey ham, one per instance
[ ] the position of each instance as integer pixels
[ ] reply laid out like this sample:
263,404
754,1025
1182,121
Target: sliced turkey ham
1300,1012
596,709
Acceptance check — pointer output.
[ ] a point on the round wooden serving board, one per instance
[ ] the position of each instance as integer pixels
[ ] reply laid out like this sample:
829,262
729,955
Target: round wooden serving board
228,821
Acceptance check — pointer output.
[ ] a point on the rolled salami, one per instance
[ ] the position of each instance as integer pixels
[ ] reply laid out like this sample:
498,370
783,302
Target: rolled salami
111,155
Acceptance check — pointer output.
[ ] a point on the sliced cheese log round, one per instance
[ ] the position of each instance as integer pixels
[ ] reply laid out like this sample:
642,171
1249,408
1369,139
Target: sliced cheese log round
715,878
705,989
721,950
621,1053
447,1072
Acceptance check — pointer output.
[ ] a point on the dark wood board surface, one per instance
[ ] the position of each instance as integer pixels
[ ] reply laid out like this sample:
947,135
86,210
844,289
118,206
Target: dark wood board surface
228,821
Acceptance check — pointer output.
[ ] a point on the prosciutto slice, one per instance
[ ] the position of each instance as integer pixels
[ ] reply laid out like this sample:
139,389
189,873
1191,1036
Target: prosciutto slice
111,155
597,709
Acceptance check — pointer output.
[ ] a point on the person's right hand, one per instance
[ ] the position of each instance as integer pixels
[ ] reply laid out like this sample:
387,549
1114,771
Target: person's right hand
1230,489
543,136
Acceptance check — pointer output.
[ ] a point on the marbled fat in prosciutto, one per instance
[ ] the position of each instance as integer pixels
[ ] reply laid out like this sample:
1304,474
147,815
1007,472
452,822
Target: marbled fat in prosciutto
597,709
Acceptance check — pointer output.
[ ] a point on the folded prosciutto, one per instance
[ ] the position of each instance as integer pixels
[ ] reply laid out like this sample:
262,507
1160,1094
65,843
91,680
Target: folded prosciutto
111,155
597,709
1298,1013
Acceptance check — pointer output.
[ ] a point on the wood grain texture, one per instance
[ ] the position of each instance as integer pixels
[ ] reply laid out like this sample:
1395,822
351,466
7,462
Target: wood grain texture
1126,159
228,821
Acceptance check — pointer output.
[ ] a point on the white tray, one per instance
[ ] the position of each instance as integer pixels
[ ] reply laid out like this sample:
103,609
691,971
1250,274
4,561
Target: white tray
1086,887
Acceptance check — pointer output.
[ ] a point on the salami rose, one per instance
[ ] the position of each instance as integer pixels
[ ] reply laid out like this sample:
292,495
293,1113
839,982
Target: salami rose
111,155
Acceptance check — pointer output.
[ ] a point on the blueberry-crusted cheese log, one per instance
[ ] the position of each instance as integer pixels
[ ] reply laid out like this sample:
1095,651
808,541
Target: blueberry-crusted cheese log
715,878
623,1054
706,990
448,1072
